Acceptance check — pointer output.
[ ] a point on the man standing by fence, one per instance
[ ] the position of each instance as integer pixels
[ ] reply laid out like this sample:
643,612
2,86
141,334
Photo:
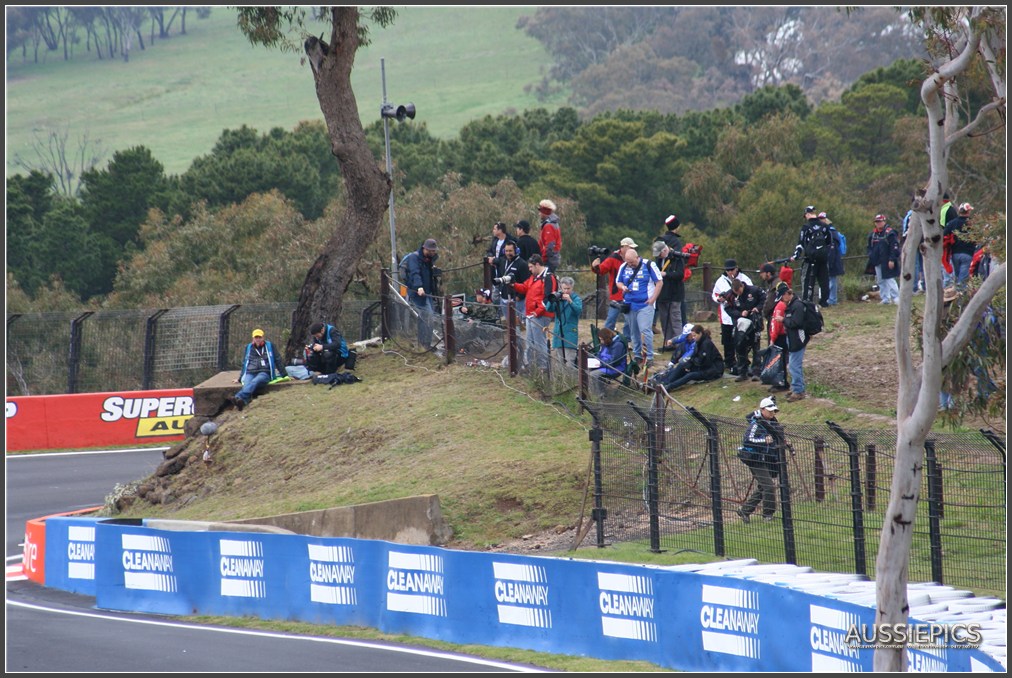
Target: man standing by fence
760,452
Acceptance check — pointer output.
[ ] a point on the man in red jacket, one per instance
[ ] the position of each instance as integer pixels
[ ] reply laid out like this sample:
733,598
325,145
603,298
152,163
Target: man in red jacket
551,236
609,266
537,288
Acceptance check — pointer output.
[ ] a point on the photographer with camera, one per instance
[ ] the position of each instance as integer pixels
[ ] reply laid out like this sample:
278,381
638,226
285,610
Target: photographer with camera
327,351
607,263
537,288
721,294
510,269
567,306
674,283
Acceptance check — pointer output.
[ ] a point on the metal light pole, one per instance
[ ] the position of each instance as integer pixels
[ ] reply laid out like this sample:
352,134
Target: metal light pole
390,173
388,111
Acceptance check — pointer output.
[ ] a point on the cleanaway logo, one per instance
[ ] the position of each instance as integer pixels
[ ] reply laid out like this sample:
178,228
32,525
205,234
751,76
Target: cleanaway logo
627,606
81,552
332,575
521,594
831,653
147,563
242,568
415,583
927,660
729,619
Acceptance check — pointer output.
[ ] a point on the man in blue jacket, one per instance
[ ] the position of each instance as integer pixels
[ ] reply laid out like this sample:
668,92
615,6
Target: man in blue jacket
328,350
260,364
419,278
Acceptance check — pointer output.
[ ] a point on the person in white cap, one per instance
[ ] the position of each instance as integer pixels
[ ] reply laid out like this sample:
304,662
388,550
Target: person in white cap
760,452
550,239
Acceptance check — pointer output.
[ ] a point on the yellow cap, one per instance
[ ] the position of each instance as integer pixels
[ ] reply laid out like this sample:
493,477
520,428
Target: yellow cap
258,333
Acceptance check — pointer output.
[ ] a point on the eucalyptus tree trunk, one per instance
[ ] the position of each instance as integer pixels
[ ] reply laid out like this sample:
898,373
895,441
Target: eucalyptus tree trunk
919,385
367,187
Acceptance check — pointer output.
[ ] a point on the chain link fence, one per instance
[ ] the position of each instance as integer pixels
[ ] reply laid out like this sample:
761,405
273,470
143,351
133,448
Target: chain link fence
135,350
670,477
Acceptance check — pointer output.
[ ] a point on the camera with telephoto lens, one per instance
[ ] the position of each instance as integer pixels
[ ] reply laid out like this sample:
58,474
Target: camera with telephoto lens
622,306
552,297
505,280
595,252
681,255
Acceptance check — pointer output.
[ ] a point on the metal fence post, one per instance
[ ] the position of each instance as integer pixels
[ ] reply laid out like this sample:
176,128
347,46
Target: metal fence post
655,528
583,375
599,513
74,357
990,436
386,308
511,334
603,297
713,455
449,337
860,554
935,511
223,326
150,335
870,475
790,549
819,470
708,286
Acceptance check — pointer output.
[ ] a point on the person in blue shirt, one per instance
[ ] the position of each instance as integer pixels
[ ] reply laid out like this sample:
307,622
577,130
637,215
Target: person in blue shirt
613,354
640,281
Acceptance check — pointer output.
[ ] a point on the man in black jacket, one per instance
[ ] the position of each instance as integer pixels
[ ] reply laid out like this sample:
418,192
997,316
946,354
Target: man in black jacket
510,269
746,309
760,452
815,243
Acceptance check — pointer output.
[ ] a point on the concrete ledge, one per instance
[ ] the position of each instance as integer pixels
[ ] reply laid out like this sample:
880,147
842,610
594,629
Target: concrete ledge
209,526
412,520
210,397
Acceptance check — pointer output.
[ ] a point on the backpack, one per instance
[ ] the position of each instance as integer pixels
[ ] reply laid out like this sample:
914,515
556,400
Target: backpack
402,269
842,240
812,322
818,244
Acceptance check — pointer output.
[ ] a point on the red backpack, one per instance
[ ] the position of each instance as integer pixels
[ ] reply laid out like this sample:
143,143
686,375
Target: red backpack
693,251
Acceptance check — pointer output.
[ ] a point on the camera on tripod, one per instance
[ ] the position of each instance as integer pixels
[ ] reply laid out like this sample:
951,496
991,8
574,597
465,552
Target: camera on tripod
595,252
505,280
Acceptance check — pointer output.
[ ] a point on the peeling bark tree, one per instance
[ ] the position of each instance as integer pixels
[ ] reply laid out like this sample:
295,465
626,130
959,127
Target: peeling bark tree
367,186
973,34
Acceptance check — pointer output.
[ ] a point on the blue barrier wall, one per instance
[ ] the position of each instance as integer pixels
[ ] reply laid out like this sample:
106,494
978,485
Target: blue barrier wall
675,619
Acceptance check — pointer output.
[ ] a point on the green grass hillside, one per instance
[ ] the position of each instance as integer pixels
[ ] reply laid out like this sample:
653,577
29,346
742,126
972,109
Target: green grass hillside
455,64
